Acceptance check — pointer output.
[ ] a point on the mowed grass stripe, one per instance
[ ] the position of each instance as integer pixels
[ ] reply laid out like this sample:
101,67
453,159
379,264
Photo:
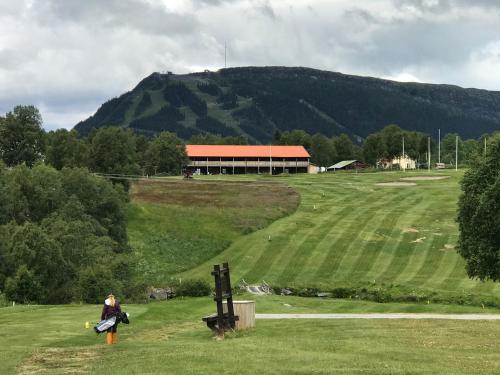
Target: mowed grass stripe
419,253
351,247
368,250
381,265
426,265
280,248
331,260
302,254
283,265
401,251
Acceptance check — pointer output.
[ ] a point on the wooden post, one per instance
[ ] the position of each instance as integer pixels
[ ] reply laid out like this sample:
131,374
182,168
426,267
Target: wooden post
227,293
218,300
245,310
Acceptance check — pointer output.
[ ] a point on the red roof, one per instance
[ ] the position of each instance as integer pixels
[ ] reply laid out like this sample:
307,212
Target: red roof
241,151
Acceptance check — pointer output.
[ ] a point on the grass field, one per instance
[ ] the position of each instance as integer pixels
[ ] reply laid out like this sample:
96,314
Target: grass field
176,225
350,232
169,337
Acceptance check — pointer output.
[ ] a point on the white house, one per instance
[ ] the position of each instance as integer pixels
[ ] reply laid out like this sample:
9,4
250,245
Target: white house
400,162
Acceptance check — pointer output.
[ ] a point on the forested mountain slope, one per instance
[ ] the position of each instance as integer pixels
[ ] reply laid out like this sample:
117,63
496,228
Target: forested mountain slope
257,101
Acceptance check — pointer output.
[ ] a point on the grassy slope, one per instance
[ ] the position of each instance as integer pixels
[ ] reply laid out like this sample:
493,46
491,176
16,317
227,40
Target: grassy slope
169,337
348,232
176,225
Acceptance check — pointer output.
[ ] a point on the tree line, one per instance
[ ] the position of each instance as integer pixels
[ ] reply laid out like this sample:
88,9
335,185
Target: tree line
385,144
115,150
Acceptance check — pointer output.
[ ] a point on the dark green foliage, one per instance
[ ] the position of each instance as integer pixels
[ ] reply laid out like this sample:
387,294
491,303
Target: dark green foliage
144,104
254,123
291,113
21,136
373,149
296,137
214,126
479,216
210,139
109,114
193,288
166,154
167,116
112,150
322,151
317,102
228,100
209,88
61,228
388,143
344,148
65,149
179,95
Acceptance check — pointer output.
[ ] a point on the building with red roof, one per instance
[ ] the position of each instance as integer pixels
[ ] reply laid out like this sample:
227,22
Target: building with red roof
238,159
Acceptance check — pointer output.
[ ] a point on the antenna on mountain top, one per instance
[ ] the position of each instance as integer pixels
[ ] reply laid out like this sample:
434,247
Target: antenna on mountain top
225,55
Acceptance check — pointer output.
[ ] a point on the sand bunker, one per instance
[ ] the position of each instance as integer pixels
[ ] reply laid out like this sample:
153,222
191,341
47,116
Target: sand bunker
410,230
419,240
396,184
424,178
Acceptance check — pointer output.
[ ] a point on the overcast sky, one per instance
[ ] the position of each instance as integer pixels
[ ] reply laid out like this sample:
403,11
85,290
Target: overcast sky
69,56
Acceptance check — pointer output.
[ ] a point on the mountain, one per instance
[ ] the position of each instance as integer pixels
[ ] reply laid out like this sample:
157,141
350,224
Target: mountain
257,101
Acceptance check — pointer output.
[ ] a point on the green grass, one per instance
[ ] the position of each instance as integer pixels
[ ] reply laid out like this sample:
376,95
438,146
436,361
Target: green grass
349,232
176,225
169,337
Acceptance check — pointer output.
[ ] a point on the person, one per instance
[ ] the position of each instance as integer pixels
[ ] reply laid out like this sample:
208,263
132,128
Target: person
111,308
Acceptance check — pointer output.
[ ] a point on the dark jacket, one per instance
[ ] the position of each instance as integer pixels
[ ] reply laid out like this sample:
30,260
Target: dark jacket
109,311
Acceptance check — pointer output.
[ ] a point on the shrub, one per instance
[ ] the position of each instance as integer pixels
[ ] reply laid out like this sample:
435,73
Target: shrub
193,288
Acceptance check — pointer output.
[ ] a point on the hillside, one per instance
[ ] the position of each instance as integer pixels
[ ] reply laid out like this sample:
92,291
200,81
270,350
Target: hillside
347,232
255,102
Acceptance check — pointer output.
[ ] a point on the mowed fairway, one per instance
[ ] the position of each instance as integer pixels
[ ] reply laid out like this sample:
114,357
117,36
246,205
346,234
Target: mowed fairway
350,232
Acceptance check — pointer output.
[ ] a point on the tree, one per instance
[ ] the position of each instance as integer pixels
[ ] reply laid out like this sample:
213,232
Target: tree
392,136
113,151
448,149
166,154
21,136
344,147
322,150
373,149
65,149
56,229
479,216
295,138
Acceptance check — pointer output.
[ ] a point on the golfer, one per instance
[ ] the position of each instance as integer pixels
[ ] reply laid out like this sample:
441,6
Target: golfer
111,308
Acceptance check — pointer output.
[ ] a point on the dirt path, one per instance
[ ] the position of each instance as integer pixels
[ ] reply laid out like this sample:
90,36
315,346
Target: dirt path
382,316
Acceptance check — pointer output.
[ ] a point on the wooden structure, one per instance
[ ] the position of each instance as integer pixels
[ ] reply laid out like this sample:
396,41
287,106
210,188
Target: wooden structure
240,159
222,321
246,314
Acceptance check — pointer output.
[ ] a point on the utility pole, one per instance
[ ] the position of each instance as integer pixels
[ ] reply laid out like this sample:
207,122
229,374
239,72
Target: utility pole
456,153
270,161
484,146
225,55
404,157
439,145
429,154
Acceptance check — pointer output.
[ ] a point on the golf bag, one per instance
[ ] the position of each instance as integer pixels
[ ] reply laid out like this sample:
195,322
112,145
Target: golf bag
103,325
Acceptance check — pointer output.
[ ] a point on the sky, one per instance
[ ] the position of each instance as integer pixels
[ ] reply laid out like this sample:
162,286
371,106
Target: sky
67,57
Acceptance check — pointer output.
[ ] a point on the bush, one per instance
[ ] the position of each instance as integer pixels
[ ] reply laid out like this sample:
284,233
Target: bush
3,300
193,288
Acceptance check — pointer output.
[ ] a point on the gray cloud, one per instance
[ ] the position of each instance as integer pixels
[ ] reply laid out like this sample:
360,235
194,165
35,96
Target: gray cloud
69,56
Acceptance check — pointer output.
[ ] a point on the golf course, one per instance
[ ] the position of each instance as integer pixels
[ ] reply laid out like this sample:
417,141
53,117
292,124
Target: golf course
369,237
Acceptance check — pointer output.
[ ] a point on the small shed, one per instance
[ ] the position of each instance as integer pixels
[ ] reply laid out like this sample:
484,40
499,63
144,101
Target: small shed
347,164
